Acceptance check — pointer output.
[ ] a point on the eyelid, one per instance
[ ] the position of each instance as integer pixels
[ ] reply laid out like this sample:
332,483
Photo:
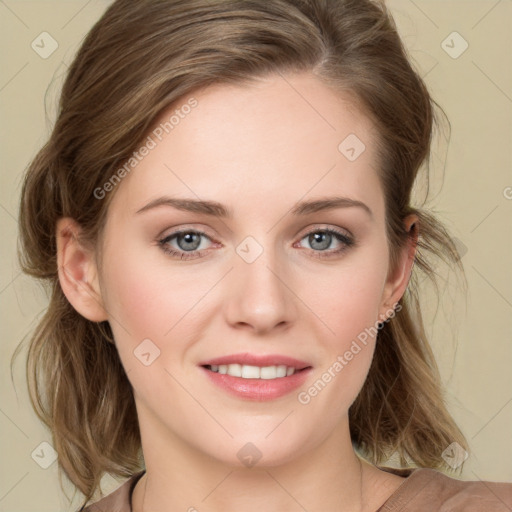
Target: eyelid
180,228
324,227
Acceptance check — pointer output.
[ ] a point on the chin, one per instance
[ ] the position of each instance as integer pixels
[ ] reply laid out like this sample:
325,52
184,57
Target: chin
257,452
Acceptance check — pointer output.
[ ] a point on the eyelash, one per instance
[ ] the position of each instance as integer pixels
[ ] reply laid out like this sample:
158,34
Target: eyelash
346,240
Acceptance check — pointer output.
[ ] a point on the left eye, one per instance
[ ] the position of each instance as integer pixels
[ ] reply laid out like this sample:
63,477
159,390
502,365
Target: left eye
188,241
320,240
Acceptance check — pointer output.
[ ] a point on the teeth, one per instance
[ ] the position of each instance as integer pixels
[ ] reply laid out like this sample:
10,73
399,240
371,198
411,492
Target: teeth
248,372
253,372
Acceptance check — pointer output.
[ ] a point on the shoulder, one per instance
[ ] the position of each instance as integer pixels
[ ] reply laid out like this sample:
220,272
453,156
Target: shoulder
116,501
427,490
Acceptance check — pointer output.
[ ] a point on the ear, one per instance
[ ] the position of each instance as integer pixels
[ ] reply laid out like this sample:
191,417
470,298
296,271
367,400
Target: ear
398,280
77,270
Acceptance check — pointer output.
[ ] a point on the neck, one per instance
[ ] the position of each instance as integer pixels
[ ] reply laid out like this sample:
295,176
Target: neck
180,477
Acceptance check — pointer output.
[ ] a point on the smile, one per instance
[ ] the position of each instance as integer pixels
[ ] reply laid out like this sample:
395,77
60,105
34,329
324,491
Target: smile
253,372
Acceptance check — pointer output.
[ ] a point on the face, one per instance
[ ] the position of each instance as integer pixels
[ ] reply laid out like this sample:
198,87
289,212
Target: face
274,278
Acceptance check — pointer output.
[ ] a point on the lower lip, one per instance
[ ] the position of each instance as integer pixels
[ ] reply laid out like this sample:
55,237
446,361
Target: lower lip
258,389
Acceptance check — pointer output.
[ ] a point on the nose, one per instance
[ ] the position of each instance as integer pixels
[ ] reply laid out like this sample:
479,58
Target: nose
260,294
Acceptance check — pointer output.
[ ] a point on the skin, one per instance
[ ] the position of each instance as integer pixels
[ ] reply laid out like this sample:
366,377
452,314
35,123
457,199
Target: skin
257,149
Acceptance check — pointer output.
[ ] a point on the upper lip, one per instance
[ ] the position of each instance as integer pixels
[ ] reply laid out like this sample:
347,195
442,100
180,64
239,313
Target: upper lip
257,360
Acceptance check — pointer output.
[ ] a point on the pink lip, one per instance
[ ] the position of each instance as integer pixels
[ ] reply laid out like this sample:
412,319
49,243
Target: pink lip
258,389
256,360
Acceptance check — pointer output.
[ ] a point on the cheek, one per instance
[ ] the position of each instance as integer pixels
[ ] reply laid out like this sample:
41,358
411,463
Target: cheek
147,298
348,298
134,303
133,297
347,301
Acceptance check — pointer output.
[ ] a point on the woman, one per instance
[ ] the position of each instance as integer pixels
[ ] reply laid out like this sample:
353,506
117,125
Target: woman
223,213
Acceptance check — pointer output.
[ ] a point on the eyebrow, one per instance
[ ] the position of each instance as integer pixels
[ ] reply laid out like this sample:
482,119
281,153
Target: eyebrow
216,209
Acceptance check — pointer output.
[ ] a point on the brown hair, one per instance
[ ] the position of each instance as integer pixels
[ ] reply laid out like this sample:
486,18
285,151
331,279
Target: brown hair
137,60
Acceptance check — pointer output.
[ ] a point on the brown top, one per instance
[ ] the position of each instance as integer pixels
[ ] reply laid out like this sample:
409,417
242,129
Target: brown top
424,490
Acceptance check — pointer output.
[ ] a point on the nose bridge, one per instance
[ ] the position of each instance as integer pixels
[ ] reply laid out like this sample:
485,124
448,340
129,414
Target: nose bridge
260,294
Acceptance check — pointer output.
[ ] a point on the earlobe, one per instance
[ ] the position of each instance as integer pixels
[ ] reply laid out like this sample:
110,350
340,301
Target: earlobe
77,271
397,282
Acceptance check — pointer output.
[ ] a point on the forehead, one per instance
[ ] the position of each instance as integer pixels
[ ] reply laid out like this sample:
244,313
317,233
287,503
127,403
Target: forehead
281,139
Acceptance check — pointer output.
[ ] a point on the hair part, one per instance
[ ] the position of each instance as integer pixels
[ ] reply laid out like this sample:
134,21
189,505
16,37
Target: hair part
136,61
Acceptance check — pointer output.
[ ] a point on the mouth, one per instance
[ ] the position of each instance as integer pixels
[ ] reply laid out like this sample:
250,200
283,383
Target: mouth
256,377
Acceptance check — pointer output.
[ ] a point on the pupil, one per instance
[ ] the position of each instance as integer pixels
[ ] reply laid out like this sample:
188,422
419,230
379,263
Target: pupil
317,238
189,239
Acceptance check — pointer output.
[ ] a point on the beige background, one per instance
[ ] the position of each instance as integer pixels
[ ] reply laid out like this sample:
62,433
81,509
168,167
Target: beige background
473,339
